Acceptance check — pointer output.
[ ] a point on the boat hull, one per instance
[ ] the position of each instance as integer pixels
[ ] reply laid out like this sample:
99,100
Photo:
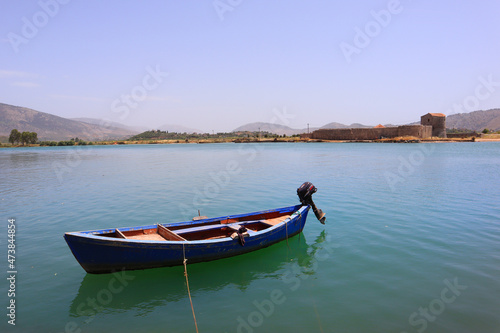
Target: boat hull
98,254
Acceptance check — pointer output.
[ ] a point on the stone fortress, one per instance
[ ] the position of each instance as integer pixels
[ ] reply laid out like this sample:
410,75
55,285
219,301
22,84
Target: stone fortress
431,125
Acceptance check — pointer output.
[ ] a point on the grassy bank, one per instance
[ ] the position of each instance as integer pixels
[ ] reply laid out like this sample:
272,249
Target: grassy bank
409,139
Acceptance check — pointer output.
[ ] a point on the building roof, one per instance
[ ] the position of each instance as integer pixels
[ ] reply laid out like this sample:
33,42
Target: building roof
379,126
437,114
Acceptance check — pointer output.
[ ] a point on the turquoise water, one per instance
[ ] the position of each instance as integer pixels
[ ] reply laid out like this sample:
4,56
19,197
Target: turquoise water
411,243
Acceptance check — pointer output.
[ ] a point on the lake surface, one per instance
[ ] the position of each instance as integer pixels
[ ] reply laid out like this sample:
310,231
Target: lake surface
411,242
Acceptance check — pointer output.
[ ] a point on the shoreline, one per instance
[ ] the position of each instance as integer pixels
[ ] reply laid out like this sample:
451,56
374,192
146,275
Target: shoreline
276,140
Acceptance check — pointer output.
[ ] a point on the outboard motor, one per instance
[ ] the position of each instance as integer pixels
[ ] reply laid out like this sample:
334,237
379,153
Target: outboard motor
305,192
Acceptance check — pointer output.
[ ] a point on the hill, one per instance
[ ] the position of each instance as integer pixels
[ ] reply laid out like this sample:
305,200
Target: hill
107,123
281,129
50,127
179,129
339,125
475,121
271,128
140,129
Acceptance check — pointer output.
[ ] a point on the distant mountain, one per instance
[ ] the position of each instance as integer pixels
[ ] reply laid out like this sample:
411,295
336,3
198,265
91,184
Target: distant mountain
50,127
339,125
334,125
358,125
475,121
178,129
281,129
107,123
272,128
139,129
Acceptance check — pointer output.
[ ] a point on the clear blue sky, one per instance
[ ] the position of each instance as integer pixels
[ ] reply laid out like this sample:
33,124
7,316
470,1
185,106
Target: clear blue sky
232,62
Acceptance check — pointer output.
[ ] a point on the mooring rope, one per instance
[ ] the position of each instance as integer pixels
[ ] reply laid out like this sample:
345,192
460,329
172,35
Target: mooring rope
187,283
300,217
286,228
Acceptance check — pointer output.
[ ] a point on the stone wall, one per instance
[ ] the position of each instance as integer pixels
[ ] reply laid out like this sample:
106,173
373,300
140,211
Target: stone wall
462,135
418,131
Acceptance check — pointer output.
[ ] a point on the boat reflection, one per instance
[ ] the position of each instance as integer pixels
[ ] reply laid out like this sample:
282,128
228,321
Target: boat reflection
143,291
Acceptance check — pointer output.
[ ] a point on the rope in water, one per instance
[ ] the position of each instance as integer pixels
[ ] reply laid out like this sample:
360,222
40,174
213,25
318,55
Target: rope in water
286,228
187,283
300,218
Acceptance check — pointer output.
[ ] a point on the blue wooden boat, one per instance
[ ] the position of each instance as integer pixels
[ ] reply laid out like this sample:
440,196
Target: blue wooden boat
168,244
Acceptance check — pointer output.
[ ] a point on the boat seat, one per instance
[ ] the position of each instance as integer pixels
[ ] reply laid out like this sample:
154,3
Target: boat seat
206,227
120,234
233,224
169,234
149,237
160,234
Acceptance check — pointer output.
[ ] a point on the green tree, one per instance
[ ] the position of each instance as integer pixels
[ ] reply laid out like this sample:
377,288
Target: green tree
485,131
25,137
15,136
29,137
33,137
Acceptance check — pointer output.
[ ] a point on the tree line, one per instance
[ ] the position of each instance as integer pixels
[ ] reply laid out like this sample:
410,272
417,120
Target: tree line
23,138
72,142
165,135
17,137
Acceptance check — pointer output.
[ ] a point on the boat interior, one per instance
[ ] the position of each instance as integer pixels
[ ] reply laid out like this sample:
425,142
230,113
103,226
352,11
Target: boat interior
213,229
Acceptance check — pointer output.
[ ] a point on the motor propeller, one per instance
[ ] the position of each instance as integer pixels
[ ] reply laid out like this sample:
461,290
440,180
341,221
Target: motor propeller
305,192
